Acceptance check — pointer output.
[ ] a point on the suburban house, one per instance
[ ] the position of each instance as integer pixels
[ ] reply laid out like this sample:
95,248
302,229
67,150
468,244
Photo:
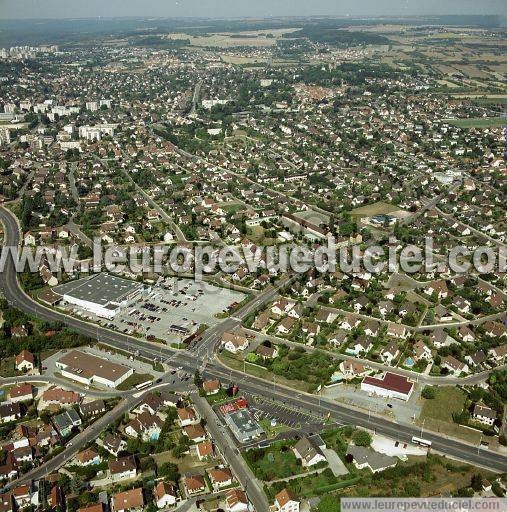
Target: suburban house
165,495
122,469
349,323
66,421
476,359
234,342
267,352
114,444
351,368
187,416
361,346
421,351
397,331
88,457
211,387
365,457
194,484
145,426
236,501
220,478
92,409
205,450
285,501
25,361
372,328
195,433
281,307
498,353
308,453
454,366
390,352
286,325
439,287
21,393
128,500
484,414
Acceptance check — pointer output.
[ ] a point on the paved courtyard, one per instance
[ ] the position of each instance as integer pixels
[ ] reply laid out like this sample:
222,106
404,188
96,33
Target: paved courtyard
401,411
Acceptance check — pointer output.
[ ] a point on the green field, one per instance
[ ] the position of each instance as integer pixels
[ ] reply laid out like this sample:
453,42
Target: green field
448,401
378,208
478,122
490,101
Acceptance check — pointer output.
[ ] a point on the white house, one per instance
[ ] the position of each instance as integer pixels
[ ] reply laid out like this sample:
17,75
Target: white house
165,495
484,414
286,501
236,501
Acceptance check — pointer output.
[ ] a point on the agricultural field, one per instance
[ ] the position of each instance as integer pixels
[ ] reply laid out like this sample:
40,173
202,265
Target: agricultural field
478,122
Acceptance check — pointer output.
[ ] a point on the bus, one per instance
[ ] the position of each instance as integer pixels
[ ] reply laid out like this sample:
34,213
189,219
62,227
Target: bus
144,385
421,442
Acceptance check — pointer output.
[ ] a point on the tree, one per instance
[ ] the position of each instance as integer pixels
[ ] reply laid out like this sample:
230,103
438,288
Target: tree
412,489
476,482
361,438
169,471
197,379
429,393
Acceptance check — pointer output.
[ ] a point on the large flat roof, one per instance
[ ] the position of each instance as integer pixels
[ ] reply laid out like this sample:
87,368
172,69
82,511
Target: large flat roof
86,365
100,289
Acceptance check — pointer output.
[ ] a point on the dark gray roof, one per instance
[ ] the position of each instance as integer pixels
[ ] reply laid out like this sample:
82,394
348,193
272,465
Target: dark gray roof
375,460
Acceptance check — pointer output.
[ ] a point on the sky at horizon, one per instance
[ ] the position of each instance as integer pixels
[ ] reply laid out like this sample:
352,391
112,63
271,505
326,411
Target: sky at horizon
60,9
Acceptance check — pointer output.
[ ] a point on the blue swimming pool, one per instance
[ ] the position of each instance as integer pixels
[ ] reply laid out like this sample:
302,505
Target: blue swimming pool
409,362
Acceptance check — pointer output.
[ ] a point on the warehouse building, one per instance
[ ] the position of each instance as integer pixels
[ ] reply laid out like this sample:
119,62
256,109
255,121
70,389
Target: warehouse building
102,294
88,369
390,385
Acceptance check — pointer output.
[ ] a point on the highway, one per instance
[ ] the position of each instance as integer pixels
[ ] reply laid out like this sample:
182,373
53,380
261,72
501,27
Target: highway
206,353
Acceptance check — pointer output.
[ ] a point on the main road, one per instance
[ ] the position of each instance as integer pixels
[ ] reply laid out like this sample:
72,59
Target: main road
253,385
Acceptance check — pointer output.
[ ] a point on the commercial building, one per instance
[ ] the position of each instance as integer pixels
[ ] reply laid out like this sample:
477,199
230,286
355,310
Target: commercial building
243,426
89,369
390,385
102,294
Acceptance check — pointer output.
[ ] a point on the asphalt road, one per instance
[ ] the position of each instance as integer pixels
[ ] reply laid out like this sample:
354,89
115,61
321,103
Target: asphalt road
231,453
77,443
192,361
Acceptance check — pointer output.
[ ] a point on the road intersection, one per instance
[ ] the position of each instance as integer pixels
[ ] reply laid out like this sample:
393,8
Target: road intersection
203,357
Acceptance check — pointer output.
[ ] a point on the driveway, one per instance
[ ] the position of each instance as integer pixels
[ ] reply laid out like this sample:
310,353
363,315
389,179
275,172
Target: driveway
336,465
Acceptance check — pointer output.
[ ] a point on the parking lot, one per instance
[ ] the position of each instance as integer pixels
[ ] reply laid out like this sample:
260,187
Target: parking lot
295,419
171,310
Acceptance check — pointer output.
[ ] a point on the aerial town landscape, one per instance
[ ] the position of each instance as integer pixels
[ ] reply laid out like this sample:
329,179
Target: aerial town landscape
182,382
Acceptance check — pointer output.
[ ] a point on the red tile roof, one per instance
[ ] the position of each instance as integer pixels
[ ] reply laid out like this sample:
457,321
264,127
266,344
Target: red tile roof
391,381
